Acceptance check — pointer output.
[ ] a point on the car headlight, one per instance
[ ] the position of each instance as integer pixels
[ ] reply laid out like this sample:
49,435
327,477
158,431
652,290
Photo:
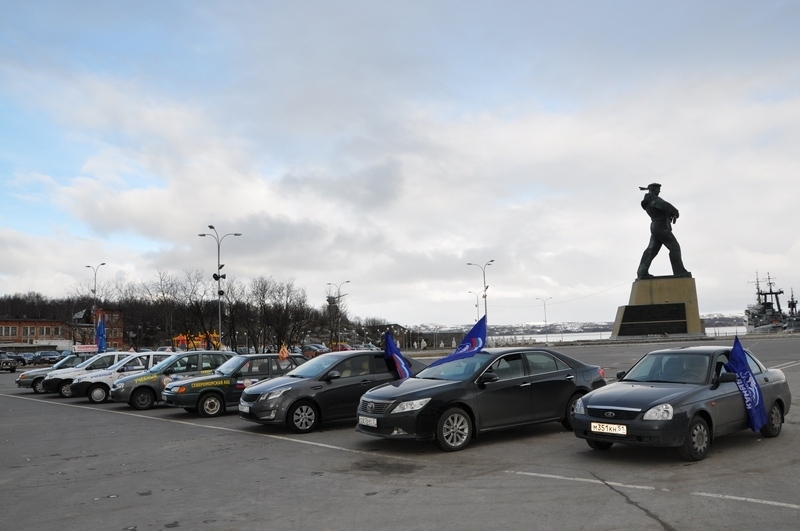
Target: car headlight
411,405
273,394
22,376
659,412
579,408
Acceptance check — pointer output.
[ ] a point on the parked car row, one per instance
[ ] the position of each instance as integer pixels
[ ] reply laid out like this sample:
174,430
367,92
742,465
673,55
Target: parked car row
34,378
682,397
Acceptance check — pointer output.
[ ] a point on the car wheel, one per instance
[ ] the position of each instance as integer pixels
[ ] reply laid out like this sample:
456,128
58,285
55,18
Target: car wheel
142,399
302,417
12,369
37,386
97,394
774,421
698,440
569,412
599,445
63,390
454,430
211,405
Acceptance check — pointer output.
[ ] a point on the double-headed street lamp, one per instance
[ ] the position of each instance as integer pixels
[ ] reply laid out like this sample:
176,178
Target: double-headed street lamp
485,286
94,293
338,316
544,304
217,276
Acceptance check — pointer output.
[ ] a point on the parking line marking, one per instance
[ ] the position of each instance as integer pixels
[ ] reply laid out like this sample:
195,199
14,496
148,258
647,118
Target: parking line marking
582,480
786,365
750,500
644,487
220,428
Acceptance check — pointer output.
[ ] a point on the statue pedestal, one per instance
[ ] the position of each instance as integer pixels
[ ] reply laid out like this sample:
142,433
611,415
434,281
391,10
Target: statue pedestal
660,306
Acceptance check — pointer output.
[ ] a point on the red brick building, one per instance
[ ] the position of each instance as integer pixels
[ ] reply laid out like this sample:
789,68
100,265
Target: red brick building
58,334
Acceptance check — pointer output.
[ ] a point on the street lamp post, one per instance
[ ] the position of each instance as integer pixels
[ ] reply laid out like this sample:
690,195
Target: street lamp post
94,294
217,276
338,316
544,305
477,307
485,286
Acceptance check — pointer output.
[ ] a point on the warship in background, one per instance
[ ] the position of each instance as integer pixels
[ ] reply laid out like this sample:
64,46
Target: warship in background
766,315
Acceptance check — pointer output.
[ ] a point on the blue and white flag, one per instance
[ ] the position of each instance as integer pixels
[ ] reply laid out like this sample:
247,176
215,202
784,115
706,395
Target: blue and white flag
472,343
748,386
392,353
100,333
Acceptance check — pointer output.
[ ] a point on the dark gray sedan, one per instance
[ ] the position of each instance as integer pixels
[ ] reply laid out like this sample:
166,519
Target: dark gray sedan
682,398
492,390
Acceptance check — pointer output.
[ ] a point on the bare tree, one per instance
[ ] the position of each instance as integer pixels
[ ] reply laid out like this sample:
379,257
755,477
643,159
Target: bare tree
201,306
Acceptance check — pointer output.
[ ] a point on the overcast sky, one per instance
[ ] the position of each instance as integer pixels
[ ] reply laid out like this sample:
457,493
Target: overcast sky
389,143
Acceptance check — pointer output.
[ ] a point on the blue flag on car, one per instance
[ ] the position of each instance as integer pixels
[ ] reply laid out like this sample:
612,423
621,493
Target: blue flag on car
748,386
472,343
100,333
392,353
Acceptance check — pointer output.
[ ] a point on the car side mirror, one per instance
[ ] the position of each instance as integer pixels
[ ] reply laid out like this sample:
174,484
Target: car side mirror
169,371
237,374
726,377
487,377
333,375
620,375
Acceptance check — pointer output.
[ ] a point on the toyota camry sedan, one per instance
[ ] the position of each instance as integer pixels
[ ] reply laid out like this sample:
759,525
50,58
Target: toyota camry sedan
683,398
492,390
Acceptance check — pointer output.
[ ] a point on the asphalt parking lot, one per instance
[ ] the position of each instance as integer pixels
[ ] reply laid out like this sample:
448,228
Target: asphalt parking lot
72,465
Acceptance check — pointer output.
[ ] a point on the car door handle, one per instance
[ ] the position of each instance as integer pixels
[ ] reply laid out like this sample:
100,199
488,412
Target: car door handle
570,377
365,382
526,384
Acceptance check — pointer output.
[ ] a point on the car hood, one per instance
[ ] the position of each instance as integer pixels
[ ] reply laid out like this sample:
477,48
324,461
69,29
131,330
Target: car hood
60,373
36,372
409,388
275,383
640,395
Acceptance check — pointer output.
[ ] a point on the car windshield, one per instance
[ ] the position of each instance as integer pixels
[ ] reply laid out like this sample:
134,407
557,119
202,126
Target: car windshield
457,370
123,361
64,362
158,367
228,368
87,362
672,367
314,367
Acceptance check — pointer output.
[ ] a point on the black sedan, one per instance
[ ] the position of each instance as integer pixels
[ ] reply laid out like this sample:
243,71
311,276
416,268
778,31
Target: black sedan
494,389
682,398
327,387
211,393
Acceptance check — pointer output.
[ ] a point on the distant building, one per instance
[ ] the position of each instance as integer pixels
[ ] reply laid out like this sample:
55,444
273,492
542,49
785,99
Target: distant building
58,334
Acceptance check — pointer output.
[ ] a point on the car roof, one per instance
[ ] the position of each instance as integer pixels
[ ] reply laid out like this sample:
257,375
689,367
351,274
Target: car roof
704,349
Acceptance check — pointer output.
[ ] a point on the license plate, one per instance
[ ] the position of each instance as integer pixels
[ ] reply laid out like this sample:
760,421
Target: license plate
244,409
616,429
368,421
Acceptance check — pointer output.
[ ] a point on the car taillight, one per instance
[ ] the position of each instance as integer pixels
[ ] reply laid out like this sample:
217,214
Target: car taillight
602,372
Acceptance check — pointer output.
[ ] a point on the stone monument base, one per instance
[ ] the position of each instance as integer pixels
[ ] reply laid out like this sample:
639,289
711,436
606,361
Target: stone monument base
662,306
